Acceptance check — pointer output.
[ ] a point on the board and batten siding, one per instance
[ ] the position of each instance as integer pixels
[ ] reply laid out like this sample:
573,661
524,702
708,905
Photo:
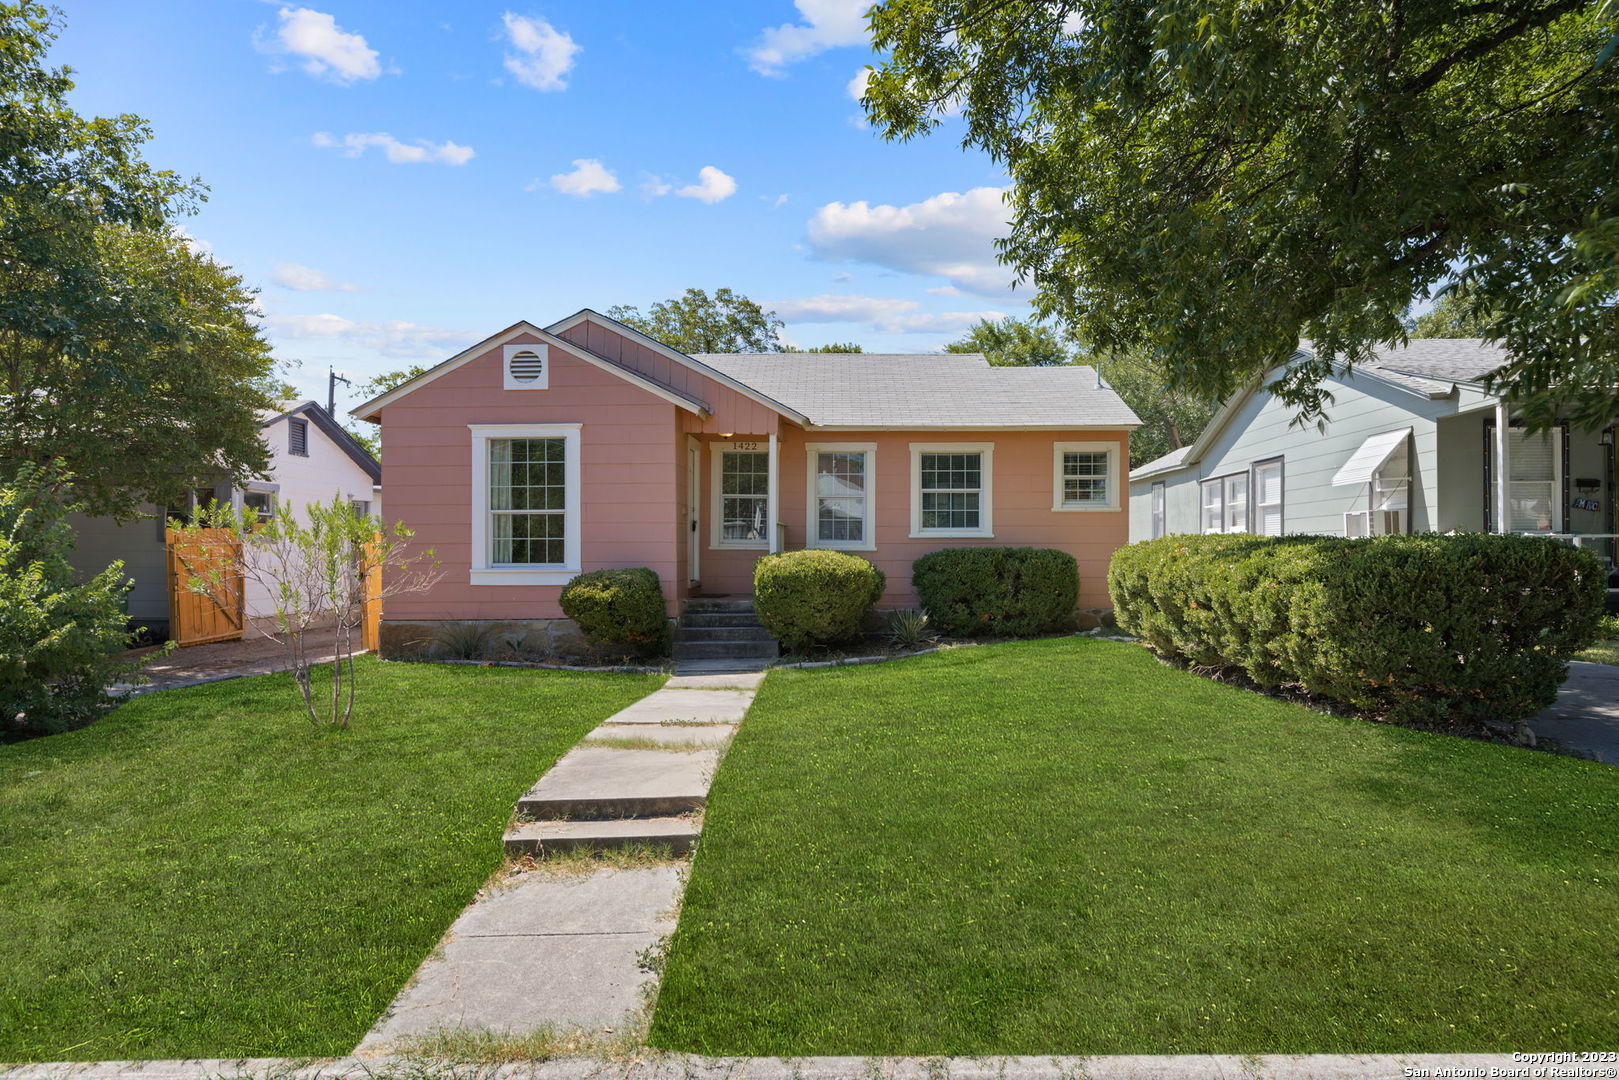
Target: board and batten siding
1263,429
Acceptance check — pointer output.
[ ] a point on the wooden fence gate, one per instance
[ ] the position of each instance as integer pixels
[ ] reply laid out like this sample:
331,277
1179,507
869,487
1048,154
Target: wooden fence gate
197,617
371,617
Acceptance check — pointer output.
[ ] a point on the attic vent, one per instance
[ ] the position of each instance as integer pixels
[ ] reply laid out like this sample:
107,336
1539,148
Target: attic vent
526,367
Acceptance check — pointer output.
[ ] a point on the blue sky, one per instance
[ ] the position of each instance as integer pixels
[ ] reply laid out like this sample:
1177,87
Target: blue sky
404,178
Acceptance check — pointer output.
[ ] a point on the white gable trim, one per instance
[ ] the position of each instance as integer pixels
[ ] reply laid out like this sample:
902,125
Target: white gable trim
370,409
589,315
1200,445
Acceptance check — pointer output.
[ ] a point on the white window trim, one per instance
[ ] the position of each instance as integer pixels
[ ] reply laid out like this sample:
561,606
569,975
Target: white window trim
813,519
485,572
1111,449
986,529
1256,496
716,523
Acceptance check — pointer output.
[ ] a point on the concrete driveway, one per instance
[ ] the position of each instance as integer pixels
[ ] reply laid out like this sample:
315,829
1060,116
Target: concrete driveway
1585,717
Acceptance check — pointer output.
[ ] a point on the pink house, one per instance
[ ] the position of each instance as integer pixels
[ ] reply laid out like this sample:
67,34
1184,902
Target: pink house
542,452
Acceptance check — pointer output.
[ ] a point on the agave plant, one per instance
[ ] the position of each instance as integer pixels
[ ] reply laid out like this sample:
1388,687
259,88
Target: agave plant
909,628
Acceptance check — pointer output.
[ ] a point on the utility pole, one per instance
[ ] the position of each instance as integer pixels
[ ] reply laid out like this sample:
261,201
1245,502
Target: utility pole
332,379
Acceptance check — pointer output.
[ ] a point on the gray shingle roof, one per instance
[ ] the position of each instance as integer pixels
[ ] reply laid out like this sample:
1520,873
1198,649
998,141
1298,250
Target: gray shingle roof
1447,360
1167,463
942,390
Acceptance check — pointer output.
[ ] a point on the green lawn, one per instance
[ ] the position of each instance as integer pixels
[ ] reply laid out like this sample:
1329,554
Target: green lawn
1064,847
1605,651
201,874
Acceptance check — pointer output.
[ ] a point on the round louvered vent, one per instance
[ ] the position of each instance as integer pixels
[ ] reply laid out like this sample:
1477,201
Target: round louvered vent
526,366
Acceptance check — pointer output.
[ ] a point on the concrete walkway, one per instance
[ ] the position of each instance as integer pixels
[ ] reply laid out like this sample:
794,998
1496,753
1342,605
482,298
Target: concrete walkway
551,951
1585,717
655,1066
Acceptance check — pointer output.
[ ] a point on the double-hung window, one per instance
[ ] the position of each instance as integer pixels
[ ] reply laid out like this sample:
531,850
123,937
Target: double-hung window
1268,497
1084,476
742,497
1159,526
842,490
1225,504
950,489
1535,485
526,503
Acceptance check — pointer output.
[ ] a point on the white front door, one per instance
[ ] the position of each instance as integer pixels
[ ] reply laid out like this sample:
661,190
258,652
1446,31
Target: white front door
694,500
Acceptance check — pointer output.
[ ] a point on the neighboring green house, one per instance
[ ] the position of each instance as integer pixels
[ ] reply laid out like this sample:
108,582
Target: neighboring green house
1412,443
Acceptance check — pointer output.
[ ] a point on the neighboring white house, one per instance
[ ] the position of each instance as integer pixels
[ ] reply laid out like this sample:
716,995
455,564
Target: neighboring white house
311,459
1412,443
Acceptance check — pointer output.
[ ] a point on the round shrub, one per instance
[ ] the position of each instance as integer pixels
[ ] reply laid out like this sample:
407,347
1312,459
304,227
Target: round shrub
619,607
814,596
997,591
1425,629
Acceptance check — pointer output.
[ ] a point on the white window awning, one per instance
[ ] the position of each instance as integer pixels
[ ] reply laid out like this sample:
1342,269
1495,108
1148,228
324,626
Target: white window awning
1373,454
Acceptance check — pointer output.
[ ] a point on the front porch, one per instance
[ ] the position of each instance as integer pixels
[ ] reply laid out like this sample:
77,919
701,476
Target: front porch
1560,484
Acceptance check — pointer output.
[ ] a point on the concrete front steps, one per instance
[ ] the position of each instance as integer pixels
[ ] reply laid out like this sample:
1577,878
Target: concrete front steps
721,634
601,796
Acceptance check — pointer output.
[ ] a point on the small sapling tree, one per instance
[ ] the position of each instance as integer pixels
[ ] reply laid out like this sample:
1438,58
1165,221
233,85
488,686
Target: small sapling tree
319,567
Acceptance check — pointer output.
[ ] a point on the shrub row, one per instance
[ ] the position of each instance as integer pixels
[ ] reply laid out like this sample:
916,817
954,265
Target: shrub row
997,591
1415,629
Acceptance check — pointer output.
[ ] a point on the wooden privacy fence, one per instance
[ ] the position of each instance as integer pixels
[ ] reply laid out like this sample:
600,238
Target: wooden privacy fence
371,619
212,610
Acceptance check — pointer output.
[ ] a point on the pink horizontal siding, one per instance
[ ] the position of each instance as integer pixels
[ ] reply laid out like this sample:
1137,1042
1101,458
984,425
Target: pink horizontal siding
1021,497
633,457
627,475
731,410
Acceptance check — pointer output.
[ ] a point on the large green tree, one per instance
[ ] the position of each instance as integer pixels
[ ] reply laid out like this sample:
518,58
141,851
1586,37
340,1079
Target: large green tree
1206,181
695,322
1453,315
1012,342
127,359
1170,416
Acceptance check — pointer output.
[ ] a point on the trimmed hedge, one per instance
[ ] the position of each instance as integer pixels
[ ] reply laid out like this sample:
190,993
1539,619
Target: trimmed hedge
1421,629
814,596
997,591
619,607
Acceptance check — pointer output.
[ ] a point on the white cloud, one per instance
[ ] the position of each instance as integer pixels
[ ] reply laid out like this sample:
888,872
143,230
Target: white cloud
397,152
943,322
844,275
826,24
951,235
194,245
329,52
655,186
886,315
711,187
829,308
544,54
588,178
857,85
301,278
946,290
392,337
